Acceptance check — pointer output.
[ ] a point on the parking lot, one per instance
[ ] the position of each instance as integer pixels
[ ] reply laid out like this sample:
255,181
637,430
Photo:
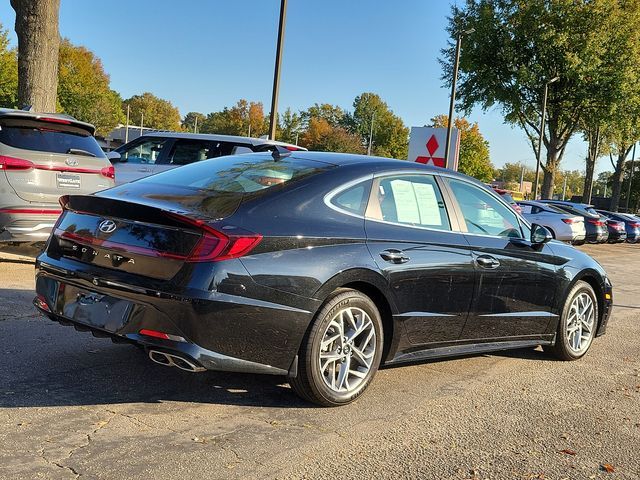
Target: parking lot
75,406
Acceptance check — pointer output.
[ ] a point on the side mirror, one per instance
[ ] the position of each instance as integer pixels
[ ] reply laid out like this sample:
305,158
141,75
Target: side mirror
114,157
540,234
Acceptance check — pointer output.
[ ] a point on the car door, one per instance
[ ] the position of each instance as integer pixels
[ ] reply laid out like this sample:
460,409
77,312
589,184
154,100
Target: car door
138,158
414,240
516,281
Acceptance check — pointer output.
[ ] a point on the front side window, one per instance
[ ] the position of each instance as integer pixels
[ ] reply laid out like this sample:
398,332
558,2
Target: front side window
146,151
483,213
413,200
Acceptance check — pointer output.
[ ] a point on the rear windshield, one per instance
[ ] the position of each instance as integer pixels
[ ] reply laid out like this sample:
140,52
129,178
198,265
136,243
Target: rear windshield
239,174
48,137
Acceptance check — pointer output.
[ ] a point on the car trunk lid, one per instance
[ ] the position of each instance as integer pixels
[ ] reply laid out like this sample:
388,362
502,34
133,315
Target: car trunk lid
151,237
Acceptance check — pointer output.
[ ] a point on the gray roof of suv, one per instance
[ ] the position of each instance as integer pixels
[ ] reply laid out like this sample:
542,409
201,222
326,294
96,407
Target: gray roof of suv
12,113
220,138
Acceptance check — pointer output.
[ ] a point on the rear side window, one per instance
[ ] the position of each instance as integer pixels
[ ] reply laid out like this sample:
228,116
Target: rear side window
189,151
526,208
413,200
353,199
146,150
48,137
239,174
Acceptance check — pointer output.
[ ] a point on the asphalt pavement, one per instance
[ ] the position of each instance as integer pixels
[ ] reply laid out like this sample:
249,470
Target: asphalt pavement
75,406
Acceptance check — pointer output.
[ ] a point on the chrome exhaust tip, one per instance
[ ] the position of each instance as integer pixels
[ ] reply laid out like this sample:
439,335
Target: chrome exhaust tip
172,360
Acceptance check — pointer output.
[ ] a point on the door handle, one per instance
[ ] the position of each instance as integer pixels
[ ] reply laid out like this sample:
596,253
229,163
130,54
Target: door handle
394,256
487,261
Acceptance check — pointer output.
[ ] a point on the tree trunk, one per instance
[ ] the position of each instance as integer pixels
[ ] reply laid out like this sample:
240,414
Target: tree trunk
554,155
592,155
38,45
617,180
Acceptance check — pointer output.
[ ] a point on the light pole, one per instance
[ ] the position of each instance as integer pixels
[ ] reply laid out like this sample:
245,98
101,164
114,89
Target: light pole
633,159
276,73
544,112
452,101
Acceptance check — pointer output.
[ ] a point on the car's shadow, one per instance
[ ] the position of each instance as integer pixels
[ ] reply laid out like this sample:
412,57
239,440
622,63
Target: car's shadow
45,364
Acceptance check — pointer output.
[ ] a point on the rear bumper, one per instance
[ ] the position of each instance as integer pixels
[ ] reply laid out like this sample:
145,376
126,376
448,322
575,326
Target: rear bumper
27,224
217,331
617,237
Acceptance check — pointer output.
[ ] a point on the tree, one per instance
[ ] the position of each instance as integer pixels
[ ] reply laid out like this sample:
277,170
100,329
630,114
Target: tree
158,113
575,181
320,135
244,118
474,149
516,47
38,44
333,114
511,173
192,121
84,91
390,136
289,127
8,72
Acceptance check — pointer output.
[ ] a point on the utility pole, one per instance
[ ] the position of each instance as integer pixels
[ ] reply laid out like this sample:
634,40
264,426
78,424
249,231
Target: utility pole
126,131
276,74
195,125
373,116
633,159
542,119
522,180
141,122
564,188
452,100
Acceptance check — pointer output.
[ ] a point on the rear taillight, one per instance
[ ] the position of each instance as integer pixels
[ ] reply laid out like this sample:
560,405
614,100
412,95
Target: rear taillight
108,172
215,245
597,223
634,225
568,221
12,163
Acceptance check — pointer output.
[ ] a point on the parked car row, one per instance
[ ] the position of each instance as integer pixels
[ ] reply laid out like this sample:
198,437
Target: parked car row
577,223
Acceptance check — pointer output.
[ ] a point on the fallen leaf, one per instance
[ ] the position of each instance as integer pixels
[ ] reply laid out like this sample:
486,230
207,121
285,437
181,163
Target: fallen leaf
101,424
568,451
607,467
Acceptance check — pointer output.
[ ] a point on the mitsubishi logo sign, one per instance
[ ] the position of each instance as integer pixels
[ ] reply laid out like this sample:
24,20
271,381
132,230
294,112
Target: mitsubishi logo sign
426,145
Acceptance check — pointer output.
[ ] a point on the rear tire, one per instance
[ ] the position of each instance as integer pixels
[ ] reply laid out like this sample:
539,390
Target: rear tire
577,326
341,353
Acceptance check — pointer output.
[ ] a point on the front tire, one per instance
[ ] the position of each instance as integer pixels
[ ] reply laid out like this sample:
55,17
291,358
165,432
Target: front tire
341,352
577,326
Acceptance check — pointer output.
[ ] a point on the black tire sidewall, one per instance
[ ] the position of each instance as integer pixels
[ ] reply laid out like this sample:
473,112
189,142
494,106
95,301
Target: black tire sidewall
324,317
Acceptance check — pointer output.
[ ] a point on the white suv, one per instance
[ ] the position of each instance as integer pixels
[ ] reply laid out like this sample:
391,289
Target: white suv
156,152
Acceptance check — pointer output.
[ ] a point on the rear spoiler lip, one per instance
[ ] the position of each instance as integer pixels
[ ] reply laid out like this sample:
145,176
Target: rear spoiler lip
17,114
65,201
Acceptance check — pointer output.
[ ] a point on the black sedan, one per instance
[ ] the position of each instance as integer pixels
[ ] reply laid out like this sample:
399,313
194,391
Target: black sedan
319,267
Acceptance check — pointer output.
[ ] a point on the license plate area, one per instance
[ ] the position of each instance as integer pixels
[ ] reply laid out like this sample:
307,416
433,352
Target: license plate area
92,308
68,180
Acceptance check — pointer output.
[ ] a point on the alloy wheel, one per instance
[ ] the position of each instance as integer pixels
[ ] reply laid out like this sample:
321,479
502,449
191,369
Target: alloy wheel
580,323
347,350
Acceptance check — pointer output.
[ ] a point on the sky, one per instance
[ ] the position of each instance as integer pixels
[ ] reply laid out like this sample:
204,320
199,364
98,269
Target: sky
203,55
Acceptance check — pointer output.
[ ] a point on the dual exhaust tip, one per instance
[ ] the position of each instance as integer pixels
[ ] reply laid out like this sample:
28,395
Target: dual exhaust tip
172,360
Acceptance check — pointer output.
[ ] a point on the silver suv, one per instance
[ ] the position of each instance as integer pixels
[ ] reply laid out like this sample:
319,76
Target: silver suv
156,152
42,157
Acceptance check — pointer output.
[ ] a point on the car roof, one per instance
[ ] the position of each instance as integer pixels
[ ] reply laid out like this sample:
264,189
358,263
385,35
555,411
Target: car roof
565,202
25,114
373,164
221,138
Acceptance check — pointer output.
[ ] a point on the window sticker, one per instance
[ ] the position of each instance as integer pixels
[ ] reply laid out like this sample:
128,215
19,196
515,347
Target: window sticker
427,204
